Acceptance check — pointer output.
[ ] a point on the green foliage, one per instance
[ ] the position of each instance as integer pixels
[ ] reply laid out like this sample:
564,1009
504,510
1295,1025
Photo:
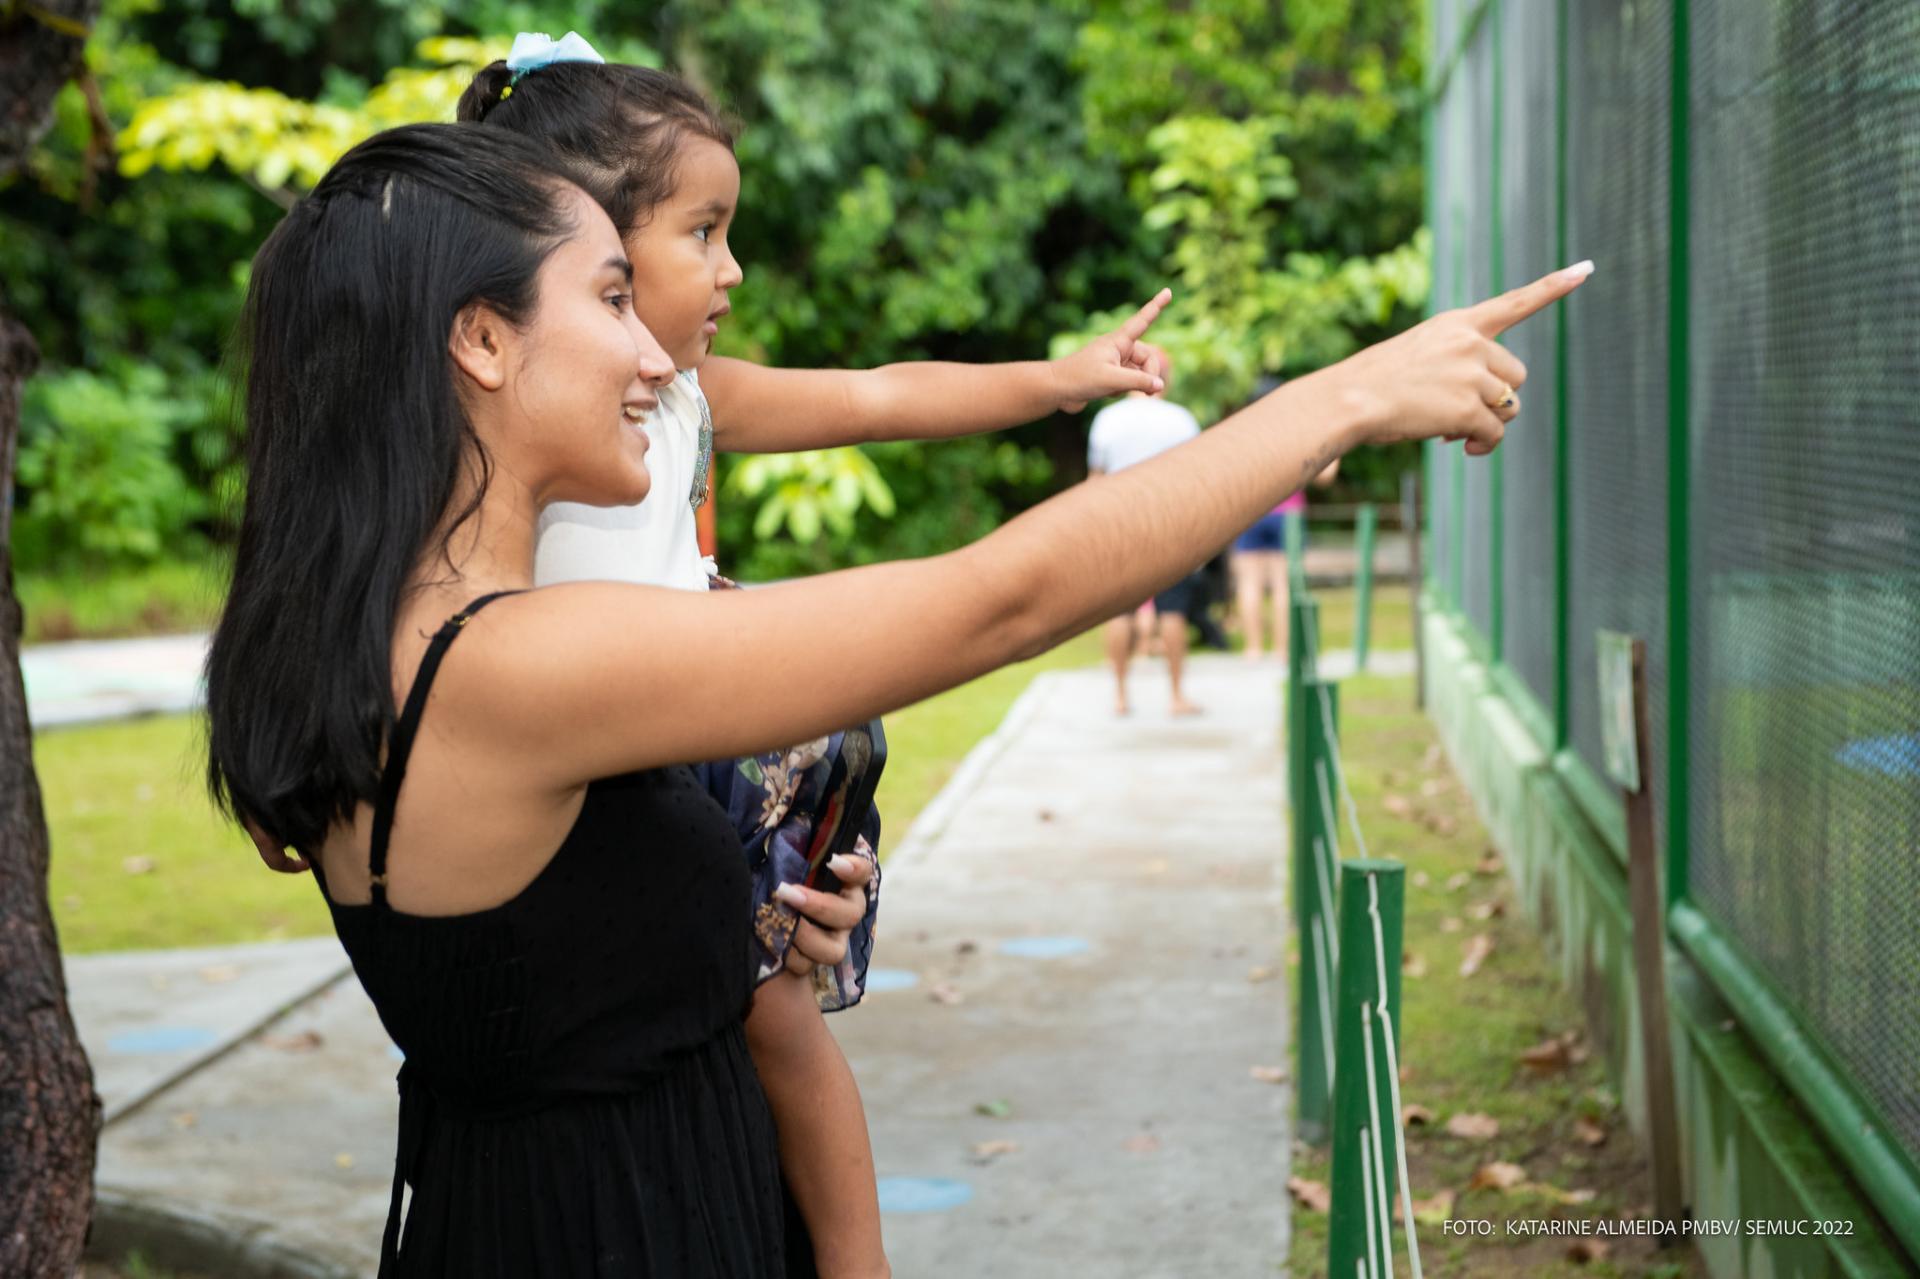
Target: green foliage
944,179
803,491
97,470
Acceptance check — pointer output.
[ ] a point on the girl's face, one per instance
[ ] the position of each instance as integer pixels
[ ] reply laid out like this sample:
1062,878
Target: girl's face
682,268
573,389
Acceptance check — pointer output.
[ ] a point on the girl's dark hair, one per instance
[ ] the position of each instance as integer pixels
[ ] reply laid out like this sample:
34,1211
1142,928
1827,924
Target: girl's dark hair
617,128
355,444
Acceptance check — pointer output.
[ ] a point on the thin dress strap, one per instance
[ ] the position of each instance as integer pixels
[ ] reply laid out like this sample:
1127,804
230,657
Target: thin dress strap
400,745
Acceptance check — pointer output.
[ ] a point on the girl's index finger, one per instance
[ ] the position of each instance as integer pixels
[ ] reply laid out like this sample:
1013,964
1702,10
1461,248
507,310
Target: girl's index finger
1143,319
1496,315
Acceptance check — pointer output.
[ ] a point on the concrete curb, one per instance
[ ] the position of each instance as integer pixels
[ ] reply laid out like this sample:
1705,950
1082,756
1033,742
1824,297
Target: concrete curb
179,1237
966,779
221,1048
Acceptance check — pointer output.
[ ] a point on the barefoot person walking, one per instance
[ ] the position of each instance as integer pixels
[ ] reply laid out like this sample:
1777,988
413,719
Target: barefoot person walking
1126,433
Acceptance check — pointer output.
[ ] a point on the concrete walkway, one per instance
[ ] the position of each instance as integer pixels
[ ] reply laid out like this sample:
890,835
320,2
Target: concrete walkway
1080,964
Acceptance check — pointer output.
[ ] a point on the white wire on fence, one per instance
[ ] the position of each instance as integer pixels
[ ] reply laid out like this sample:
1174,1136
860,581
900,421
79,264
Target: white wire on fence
1393,1079
1324,965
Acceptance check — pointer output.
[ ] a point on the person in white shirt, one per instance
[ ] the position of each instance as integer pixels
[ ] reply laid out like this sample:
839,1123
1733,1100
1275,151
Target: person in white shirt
1124,433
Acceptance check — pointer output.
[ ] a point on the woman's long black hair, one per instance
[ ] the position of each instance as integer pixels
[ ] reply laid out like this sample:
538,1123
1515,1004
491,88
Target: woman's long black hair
355,444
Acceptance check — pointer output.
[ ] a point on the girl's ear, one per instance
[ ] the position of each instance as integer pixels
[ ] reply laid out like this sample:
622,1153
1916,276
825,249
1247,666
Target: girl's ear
478,346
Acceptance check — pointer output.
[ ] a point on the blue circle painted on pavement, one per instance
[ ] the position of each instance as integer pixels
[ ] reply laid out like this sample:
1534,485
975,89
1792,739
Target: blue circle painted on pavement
922,1194
879,979
162,1039
1044,947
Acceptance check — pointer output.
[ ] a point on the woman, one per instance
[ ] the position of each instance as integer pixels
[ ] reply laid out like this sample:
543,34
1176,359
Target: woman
546,909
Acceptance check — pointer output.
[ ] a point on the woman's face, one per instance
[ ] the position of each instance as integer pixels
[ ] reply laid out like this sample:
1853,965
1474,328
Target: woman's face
580,386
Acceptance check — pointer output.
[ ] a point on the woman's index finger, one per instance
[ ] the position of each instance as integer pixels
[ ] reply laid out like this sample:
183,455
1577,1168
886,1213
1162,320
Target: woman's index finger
1143,319
1496,315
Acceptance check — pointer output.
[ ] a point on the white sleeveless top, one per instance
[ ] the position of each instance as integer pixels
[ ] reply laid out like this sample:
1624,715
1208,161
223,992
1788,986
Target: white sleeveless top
655,543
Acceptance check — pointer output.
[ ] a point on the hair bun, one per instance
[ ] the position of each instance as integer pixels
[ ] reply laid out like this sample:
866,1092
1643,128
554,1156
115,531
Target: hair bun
488,90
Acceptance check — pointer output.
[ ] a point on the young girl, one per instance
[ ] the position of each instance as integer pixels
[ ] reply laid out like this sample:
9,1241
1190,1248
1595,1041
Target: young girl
660,160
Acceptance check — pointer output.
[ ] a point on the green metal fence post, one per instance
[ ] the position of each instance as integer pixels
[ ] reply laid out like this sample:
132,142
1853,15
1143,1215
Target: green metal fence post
1363,584
1366,1150
1315,859
1295,542
1303,612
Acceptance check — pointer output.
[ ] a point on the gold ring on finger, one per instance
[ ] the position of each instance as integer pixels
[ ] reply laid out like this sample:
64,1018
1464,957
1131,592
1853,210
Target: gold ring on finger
1507,399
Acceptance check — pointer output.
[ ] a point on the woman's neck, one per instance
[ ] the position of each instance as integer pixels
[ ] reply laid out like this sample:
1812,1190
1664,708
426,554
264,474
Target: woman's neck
492,548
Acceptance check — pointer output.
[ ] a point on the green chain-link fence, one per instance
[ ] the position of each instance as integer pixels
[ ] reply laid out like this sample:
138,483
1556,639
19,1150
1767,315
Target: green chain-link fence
1720,453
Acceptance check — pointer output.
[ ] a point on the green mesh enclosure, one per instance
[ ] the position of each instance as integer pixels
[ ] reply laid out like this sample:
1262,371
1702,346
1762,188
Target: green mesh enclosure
1805,515
1618,75
1474,250
1794,814
1528,147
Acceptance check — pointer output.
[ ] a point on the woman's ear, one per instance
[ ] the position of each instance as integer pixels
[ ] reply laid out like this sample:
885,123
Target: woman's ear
479,347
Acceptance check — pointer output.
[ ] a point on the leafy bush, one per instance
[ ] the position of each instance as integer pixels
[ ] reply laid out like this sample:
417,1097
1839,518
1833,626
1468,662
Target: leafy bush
98,478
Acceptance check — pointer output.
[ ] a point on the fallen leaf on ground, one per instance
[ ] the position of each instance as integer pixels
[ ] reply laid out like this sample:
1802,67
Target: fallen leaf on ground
1269,1074
1479,946
1311,1195
1491,909
1432,758
1432,786
1420,879
1458,880
1497,1176
1261,973
995,1109
1555,1054
1406,1073
1451,924
1588,1133
966,948
1411,965
1582,1251
1397,806
1141,1143
1411,1114
1434,1211
1046,814
1441,824
304,1042
219,974
137,865
1489,865
985,1151
1473,1126
945,993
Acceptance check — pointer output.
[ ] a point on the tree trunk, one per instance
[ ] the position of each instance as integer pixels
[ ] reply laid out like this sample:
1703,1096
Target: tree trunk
49,1112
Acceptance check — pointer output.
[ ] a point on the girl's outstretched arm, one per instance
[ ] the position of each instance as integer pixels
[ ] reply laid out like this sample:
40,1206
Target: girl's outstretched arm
762,410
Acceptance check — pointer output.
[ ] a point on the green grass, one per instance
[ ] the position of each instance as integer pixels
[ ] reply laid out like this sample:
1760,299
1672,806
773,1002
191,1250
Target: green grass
925,743
140,859
1462,1037
121,792
166,597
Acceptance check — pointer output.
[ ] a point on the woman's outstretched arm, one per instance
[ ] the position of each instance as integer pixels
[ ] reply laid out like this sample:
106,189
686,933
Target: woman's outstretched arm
592,679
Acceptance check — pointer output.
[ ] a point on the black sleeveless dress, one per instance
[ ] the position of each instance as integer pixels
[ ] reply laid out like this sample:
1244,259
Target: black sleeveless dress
577,1097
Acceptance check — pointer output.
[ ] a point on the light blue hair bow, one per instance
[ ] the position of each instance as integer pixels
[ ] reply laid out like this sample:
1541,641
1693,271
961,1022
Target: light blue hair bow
535,49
